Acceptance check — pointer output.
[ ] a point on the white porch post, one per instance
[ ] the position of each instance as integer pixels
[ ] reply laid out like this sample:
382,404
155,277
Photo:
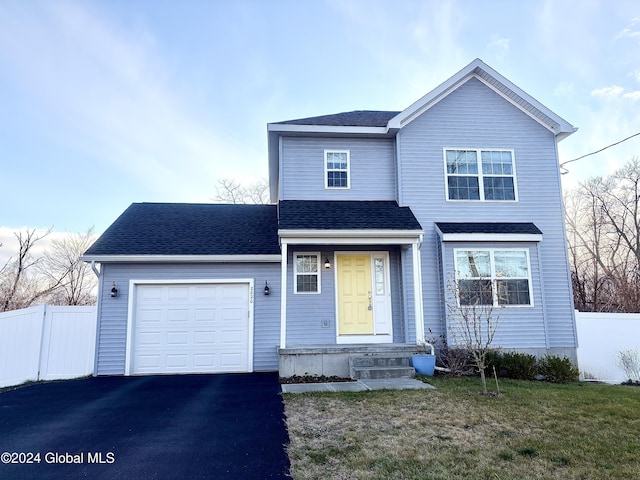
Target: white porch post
417,290
283,296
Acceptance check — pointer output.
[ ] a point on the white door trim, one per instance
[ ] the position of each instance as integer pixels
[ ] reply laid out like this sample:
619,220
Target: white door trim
375,338
132,302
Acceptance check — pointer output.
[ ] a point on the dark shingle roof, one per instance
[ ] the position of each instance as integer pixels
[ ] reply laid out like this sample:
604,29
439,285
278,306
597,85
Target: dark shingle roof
357,118
345,215
191,229
487,227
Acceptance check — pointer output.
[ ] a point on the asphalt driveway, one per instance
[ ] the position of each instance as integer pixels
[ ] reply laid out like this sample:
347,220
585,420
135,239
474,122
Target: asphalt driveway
227,426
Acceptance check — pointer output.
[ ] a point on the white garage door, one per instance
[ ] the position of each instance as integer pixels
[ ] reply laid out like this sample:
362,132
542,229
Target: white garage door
191,328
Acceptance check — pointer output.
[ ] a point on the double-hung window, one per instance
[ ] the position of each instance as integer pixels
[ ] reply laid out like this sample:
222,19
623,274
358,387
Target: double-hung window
306,272
336,168
480,174
493,277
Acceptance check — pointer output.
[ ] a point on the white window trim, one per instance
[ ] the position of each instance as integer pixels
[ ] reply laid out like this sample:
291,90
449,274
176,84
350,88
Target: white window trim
493,274
327,170
480,174
295,272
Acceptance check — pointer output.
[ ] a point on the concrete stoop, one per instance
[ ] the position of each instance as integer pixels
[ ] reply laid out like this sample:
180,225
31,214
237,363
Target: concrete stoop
380,366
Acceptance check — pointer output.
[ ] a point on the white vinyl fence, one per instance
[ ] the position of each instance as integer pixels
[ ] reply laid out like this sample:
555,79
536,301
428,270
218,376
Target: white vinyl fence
46,343
601,336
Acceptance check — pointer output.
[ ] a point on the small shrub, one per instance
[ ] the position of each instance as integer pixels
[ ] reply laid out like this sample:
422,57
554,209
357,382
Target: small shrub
629,361
493,359
558,370
520,366
457,360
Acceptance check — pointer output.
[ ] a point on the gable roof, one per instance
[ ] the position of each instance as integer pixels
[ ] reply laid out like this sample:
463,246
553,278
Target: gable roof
492,79
184,229
371,123
345,215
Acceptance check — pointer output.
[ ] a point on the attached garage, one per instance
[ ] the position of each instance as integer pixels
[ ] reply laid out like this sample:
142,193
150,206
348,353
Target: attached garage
190,327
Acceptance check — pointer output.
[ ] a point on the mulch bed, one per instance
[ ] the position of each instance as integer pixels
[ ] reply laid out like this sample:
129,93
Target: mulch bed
313,379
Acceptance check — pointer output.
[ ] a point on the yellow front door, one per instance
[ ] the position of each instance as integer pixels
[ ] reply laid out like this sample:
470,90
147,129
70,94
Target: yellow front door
355,312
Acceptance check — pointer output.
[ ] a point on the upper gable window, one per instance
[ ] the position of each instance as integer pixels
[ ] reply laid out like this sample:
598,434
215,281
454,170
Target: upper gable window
336,168
479,174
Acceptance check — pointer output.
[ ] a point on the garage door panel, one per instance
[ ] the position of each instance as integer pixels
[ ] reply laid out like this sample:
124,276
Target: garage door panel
204,315
205,338
150,338
178,339
149,316
230,360
204,361
148,363
206,292
182,292
232,338
191,328
178,315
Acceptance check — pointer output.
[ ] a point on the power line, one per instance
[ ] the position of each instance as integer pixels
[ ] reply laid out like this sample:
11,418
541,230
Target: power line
562,165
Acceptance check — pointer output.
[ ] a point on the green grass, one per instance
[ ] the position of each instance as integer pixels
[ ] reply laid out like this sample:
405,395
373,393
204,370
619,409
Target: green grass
532,430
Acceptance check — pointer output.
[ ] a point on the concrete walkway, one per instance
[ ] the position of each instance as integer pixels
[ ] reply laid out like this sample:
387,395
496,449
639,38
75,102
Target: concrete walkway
358,386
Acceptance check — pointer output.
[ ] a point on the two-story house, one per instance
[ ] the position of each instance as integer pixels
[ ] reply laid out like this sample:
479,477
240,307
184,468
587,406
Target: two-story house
375,215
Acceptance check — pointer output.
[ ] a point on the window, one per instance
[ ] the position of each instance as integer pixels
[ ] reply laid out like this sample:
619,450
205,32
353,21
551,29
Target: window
306,272
493,277
336,166
477,174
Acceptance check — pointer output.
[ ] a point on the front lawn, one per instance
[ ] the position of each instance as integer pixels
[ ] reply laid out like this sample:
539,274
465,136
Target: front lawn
532,430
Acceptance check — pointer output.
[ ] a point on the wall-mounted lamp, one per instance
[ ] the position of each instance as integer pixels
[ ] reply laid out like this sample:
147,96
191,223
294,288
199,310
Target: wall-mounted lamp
327,263
267,290
114,290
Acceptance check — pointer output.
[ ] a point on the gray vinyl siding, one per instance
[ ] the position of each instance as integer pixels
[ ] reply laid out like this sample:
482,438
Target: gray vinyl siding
112,312
306,312
474,116
372,170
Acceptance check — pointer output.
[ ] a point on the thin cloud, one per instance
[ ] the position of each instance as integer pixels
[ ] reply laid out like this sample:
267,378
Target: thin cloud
110,88
632,30
608,92
499,43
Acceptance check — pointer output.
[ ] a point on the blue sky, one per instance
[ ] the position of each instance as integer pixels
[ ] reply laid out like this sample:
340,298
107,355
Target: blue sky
105,103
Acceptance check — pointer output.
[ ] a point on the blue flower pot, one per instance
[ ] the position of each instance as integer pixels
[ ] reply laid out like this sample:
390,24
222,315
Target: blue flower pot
424,363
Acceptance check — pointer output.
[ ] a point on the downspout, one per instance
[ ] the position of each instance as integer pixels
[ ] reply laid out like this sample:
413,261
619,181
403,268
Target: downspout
98,307
95,270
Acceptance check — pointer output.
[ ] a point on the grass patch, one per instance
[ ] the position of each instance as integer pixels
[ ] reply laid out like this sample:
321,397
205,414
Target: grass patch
532,430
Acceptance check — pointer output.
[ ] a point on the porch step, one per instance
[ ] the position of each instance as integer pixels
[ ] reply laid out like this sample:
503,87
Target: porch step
381,366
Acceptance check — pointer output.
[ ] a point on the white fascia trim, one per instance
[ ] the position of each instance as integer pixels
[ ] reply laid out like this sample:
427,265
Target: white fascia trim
182,258
346,237
490,237
280,128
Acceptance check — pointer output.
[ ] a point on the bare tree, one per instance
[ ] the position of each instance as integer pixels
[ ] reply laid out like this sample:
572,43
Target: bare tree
56,276
473,320
62,262
232,191
20,285
603,227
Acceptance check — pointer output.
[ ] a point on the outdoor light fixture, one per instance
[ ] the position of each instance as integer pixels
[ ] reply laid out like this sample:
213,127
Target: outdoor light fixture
267,290
114,290
327,263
